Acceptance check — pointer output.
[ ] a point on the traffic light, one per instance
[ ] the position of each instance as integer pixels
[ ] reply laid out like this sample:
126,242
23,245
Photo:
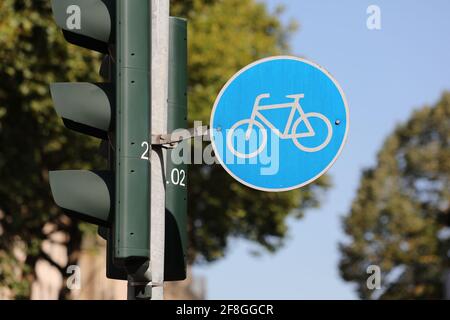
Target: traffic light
118,112
176,175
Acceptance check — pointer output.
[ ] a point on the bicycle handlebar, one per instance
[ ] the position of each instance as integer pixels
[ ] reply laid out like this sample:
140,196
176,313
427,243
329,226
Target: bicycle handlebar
262,96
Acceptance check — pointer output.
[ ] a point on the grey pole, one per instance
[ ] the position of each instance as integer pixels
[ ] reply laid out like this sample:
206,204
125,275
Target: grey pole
159,106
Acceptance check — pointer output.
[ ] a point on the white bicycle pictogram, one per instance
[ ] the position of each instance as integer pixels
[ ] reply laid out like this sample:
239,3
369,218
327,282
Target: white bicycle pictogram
287,134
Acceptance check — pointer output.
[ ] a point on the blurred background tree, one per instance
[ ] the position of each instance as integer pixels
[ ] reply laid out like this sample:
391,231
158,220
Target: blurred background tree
224,37
400,217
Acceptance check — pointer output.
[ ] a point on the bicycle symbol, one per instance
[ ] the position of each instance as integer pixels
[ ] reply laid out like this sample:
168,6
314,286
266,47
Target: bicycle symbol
294,106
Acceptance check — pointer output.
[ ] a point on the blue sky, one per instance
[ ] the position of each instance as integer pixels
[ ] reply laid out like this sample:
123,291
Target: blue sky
386,74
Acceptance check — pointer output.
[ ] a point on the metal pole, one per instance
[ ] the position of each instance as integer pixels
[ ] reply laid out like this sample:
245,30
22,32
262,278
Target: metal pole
159,106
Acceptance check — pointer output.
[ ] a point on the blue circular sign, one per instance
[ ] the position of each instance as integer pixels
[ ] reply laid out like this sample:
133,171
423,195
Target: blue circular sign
279,124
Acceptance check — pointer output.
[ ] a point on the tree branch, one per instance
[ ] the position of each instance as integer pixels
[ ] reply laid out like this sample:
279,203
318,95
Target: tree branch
47,258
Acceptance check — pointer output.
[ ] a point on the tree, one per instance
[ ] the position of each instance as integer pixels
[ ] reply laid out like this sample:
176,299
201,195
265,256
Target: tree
400,217
224,36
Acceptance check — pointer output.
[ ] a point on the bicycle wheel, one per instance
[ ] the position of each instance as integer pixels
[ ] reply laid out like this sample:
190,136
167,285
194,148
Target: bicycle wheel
321,146
245,124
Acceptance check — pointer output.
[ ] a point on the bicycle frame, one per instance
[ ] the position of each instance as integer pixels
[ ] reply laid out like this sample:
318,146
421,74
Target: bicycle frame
295,106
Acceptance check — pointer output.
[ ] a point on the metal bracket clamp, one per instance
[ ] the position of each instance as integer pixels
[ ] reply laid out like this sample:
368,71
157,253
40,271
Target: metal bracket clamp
171,141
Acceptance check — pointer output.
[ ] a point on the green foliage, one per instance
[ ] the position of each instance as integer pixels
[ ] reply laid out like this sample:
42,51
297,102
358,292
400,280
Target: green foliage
224,37
401,212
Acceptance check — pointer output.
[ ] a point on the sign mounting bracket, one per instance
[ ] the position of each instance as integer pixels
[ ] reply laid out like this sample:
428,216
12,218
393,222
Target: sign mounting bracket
171,141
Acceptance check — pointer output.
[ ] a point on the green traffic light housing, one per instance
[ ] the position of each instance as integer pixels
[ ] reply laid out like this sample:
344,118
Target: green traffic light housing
84,107
84,194
176,196
86,23
119,113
